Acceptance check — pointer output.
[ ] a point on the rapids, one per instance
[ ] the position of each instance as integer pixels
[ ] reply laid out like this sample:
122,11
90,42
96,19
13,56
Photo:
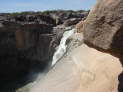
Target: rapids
62,47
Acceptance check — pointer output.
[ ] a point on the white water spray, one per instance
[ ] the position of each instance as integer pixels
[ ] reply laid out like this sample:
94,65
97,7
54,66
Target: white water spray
62,47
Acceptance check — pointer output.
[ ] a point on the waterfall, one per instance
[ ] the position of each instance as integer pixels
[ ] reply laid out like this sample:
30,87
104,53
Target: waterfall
62,47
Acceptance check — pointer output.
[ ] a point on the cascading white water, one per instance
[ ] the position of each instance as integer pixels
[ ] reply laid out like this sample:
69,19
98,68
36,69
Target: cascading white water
62,47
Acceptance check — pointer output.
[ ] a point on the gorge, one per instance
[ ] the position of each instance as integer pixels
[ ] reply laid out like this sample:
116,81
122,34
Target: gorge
63,51
28,42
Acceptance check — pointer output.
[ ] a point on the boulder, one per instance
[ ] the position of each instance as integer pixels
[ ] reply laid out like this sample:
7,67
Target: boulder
103,27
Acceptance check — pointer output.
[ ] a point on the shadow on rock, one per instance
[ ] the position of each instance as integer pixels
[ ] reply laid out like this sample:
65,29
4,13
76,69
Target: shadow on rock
120,85
117,49
13,84
20,66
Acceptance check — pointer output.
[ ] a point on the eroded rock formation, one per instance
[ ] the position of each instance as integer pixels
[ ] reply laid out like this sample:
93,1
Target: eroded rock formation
103,28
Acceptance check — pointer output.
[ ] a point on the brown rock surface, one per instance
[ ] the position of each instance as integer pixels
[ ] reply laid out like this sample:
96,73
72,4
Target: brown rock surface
79,26
83,70
103,27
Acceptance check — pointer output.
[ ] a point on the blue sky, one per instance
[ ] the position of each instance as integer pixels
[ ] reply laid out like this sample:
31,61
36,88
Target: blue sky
41,5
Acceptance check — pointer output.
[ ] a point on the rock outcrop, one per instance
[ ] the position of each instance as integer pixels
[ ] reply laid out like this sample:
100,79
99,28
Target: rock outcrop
103,28
87,70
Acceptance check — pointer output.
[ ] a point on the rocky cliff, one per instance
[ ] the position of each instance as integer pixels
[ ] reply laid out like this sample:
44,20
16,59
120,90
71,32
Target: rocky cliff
28,41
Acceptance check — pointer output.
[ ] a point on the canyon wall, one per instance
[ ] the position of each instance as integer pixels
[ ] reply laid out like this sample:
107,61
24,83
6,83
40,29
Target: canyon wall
28,41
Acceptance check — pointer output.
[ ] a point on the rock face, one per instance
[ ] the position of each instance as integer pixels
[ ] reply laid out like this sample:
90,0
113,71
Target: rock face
21,51
103,28
25,45
87,70
79,27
